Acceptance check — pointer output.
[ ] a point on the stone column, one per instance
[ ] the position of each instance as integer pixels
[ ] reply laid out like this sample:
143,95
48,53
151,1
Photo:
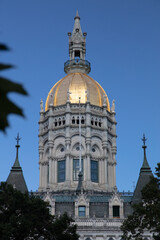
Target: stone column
67,143
104,146
41,150
50,146
114,146
88,143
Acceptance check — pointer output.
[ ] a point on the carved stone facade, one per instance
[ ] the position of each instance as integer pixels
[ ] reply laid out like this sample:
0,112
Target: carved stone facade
59,141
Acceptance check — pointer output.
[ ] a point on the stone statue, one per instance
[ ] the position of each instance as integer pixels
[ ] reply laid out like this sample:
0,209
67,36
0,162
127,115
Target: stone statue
104,100
87,94
51,99
41,105
68,95
113,106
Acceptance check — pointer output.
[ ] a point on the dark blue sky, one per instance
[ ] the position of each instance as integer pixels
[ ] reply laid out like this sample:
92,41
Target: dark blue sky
123,46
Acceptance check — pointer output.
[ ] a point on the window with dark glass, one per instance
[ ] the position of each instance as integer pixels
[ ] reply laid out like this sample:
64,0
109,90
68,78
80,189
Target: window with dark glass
82,120
73,120
76,168
116,211
81,211
78,120
61,170
91,121
94,171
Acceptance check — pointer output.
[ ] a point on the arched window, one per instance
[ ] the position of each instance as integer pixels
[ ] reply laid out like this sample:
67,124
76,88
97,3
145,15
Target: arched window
73,120
77,120
100,124
96,122
61,170
63,121
76,168
55,123
94,171
59,121
92,122
82,120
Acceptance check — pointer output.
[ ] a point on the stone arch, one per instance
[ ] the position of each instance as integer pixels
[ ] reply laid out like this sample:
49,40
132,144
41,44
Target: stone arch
60,150
56,136
46,153
75,143
97,135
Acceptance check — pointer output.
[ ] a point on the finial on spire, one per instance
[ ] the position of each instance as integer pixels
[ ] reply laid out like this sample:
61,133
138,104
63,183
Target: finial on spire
77,15
17,139
145,164
16,163
144,139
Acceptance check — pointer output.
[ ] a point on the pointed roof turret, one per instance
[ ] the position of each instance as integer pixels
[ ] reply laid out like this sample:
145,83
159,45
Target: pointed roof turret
77,50
16,178
144,176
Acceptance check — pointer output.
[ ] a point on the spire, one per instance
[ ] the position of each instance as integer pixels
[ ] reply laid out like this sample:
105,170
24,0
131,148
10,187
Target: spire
16,178
144,175
145,165
77,15
77,50
16,163
77,25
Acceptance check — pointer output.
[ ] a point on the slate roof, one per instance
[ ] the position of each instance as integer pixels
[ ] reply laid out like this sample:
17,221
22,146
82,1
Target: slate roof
16,178
144,178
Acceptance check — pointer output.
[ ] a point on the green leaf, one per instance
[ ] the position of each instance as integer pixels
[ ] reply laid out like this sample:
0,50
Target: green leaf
3,47
6,105
5,66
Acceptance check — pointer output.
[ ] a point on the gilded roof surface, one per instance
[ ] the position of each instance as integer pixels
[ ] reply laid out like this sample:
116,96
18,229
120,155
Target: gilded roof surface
77,84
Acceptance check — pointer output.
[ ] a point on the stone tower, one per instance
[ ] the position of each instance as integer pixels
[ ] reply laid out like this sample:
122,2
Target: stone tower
77,128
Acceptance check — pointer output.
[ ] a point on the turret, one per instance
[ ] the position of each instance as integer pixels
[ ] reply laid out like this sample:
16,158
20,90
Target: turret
144,175
16,178
77,50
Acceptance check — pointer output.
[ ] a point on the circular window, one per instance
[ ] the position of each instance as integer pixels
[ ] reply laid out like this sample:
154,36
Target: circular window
62,149
93,149
77,148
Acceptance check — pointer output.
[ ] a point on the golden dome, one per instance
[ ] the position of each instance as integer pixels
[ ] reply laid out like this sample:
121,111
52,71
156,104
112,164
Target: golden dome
77,84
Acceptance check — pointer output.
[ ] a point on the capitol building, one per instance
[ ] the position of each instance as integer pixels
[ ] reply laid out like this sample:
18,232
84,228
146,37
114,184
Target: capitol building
77,151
